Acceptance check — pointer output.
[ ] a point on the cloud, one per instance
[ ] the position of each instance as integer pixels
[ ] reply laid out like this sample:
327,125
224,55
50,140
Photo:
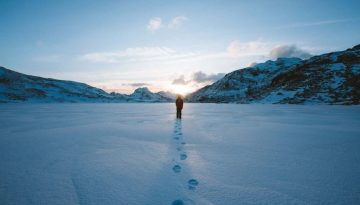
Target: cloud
289,51
140,52
154,24
264,50
260,51
177,22
180,81
201,77
136,84
198,77
237,48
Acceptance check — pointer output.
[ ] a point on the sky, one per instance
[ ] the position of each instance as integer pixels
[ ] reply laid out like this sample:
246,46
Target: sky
176,46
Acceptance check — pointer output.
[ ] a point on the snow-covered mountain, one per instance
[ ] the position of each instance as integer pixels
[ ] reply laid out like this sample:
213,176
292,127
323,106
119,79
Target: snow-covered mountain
167,94
145,95
18,87
332,78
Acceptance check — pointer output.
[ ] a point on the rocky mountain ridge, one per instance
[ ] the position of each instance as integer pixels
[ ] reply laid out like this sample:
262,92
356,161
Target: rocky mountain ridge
332,78
18,87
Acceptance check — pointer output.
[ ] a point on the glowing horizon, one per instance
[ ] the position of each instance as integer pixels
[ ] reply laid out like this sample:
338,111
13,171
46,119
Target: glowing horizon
168,87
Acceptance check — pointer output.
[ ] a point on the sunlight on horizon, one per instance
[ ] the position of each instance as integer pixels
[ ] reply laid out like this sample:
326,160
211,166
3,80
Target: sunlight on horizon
181,89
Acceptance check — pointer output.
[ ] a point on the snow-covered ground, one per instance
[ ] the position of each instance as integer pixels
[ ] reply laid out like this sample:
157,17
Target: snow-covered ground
140,154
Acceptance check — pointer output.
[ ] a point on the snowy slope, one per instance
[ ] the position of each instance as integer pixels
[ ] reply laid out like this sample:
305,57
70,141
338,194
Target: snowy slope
134,154
145,95
167,94
15,87
18,87
332,78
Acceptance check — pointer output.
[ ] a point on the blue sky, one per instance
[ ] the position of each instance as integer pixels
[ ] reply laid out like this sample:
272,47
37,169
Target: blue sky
165,45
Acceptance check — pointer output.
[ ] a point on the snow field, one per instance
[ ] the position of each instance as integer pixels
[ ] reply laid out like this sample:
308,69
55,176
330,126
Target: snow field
217,154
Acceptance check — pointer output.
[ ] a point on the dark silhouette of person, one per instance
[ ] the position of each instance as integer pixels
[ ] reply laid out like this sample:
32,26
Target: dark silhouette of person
179,106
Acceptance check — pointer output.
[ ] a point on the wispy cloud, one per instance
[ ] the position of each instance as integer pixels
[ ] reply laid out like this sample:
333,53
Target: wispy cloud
177,22
236,54
237,48
166,55
140,52
136,84
316,23
157,23
154,24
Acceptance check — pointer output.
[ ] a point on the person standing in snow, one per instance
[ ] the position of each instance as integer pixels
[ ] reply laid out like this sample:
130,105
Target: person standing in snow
179,106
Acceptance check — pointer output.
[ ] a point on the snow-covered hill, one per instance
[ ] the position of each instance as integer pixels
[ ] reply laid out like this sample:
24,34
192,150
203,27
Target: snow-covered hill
332,78
18,87
167,94
145,95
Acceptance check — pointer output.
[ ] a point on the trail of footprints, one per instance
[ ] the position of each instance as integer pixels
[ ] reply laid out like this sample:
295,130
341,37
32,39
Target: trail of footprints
191,183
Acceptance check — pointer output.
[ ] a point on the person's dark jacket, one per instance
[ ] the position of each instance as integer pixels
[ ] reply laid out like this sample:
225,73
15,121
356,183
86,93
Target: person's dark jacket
179,103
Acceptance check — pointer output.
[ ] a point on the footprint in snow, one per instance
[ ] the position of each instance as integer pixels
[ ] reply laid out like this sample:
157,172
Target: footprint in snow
176,138
192,184
183,156
178,132
177,168
177,202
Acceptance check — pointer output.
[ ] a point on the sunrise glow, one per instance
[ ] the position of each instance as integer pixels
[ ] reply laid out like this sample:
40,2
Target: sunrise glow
181,89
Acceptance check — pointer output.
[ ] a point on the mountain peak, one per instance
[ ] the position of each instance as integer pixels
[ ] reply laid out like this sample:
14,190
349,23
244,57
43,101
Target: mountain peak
142,90
331,78
357,47
272,65
143,94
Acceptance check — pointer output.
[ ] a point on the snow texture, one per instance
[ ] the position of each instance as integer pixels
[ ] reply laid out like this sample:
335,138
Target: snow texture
217,154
